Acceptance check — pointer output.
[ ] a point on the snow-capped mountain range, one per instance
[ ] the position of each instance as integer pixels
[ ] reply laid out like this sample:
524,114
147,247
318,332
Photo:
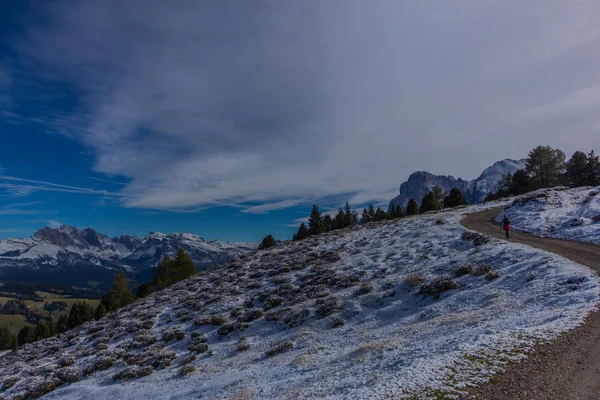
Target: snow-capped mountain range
85,258
421,182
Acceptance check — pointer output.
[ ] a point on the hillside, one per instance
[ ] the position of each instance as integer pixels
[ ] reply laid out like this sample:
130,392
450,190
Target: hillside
412,306
87,259
559,212
421,182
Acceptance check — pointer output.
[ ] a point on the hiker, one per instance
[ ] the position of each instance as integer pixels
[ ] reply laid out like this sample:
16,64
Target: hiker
506,225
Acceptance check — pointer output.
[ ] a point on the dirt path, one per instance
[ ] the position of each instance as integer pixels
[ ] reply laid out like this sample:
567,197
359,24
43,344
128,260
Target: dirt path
567,368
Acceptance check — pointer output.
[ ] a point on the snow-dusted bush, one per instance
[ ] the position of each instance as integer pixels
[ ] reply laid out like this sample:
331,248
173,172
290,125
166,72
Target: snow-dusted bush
173,334
98,364
280,348
464,269
365,288
438,286
327,306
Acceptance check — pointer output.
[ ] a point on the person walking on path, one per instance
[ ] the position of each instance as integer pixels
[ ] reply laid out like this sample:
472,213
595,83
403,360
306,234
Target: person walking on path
506,225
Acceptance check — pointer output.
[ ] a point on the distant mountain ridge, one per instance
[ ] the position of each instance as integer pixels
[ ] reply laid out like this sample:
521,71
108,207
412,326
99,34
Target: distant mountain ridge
421,182
88,259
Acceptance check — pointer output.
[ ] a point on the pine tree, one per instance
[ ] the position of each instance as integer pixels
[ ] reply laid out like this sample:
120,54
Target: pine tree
455,198
267,242
503,186
438,193
546,166
25,335
365,218
381,215
119,295
145,289
42,330
326,223
315,223
184,267
80,312
160,278
412,208
63,323
338,221
14,343
396,211
520,183
100,311
349,216
593,169
303,232
429,203
577,170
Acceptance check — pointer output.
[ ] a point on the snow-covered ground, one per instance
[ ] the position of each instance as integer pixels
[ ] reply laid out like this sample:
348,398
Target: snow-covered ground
389,310
563,213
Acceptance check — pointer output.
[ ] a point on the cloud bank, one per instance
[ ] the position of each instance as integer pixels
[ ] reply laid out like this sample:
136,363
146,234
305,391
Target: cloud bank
265,102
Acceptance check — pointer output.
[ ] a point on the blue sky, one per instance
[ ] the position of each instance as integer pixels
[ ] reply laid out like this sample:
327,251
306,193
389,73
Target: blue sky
229,119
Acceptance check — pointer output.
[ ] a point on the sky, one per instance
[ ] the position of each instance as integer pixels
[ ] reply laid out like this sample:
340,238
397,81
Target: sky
230,119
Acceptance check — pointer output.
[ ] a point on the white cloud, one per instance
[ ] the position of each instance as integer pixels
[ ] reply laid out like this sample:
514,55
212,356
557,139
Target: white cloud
202,104
54,224
22,187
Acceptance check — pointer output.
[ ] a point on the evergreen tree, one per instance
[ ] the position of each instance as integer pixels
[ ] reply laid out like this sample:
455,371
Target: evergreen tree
577,170
365,217
267,243
397,212
429,203
593,169
183,266
368,214
42,330
25,335
100,311
520,183
412,208
315,223
350,216
144,290
327,223
438,193
80,312
338,221
455,198
504,184
546,166
14,343
381,215
303,232
63,323
119,295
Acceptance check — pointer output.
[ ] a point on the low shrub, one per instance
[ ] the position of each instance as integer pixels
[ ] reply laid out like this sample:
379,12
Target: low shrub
187,369
279,349
481,270
438,286
327,306
242,344
173,334
336,322
464,269
365,288
492,275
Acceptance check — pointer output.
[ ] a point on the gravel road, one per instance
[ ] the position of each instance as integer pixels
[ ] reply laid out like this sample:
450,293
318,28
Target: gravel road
567,368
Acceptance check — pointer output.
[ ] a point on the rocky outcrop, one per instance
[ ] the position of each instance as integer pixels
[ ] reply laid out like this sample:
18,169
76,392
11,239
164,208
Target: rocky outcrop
421,182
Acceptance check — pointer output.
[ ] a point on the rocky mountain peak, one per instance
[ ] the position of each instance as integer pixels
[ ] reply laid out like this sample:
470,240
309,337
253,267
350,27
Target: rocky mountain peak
420,183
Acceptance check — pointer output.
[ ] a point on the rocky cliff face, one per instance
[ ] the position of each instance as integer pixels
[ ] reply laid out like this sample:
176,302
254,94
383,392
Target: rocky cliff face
88,259
420,183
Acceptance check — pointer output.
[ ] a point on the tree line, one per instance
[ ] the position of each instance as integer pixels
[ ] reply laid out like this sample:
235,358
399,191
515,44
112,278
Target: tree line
547,167
168,272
